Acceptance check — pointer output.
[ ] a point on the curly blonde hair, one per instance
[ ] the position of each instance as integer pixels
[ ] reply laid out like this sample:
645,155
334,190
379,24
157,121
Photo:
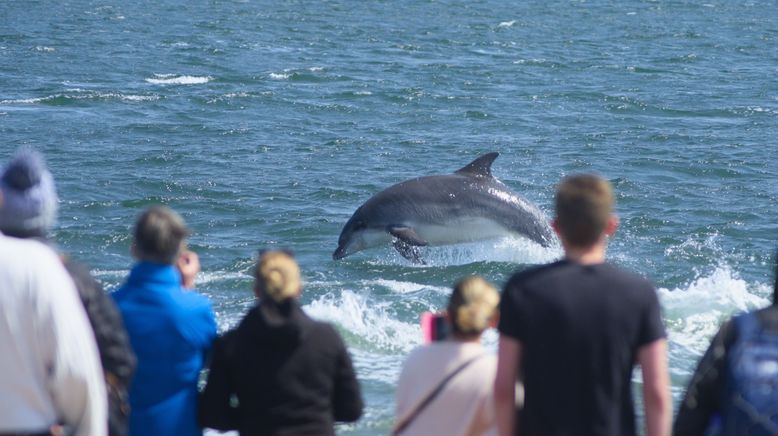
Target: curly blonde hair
278,276
473,305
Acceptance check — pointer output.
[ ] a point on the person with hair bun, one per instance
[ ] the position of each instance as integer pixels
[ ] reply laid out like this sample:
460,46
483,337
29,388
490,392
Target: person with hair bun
279,372
445,387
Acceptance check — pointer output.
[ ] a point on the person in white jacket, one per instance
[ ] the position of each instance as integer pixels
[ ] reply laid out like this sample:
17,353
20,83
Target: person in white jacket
50,374
445,387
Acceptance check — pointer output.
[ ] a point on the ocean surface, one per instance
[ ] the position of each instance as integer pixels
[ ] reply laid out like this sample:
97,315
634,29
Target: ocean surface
267,123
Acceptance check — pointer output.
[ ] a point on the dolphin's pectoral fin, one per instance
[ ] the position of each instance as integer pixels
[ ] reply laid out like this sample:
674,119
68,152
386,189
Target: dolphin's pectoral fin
480,167
410,252
407,235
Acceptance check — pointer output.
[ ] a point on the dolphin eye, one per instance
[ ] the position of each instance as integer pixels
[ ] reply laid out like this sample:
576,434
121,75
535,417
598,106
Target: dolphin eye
359,225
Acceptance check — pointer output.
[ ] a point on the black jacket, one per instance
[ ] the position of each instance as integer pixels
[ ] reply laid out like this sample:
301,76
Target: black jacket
289,375
116,355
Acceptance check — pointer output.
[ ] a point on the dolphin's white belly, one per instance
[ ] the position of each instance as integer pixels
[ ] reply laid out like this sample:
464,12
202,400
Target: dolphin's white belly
461,230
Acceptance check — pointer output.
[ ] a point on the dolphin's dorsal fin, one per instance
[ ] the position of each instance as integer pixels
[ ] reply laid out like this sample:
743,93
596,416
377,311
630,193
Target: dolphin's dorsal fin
480,167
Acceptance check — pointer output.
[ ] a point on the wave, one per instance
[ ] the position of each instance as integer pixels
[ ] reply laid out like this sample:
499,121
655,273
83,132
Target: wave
509,249
78,94
172,79
399,287
369,323
694,312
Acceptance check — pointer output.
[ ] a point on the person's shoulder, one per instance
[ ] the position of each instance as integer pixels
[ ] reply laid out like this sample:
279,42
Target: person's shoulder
192,300
324,330
534,273
421,352
624,273
86,284
418,358
627,279
29,252
227,343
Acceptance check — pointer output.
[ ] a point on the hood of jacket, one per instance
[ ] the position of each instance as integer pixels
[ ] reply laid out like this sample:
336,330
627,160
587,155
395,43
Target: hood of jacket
281,325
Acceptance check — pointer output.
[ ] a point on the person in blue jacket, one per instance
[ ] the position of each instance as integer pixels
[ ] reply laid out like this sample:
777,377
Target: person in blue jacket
170,326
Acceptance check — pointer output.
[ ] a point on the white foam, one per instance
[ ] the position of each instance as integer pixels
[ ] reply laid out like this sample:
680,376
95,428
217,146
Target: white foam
507,23
81,94
44,49
381,368
400,287
694,313
139,97
758,109
533,61
370,321
171,79
279,76
508,249
205,277
24,100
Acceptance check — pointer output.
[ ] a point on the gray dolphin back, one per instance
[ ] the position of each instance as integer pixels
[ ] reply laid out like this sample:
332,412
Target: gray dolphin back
467,205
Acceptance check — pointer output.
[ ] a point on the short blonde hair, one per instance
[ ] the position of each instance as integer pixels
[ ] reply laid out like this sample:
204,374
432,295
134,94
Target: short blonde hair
278,276
584,203
472,306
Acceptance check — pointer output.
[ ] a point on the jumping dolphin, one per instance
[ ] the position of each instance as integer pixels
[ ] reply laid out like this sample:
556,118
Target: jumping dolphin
468,205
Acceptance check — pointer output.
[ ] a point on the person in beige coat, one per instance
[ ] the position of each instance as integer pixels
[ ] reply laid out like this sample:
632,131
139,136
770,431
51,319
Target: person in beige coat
445,387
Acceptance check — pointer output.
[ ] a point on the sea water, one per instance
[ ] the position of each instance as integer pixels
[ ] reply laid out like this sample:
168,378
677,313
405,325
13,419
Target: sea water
266,123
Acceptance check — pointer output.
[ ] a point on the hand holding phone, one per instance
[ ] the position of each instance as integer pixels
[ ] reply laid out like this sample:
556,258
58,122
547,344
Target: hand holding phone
434,327
188,265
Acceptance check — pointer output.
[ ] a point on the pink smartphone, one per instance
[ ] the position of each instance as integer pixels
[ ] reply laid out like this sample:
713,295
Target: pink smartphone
433,327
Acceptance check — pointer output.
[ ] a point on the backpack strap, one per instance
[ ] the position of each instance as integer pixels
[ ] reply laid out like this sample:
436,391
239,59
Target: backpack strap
400,427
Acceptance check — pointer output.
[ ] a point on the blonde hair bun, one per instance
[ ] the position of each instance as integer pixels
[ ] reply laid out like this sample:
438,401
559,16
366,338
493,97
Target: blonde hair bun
473,305
278,275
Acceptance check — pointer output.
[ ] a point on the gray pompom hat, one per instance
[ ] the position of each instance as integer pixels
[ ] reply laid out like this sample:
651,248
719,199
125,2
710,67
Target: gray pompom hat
29,198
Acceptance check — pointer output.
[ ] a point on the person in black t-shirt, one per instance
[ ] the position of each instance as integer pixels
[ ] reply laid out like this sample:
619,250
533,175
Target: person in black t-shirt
572,332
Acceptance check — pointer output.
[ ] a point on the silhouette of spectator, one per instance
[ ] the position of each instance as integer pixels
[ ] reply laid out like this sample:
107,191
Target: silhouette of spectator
289,374
446,387
170,328
51,373
572,331
734,390
30,212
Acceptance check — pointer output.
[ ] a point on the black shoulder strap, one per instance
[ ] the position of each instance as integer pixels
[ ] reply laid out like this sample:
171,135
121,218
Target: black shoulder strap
432,395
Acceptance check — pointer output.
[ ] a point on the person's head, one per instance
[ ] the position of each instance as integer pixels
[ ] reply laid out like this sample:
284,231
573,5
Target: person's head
584,210
472,307
277,277
159,235
30,205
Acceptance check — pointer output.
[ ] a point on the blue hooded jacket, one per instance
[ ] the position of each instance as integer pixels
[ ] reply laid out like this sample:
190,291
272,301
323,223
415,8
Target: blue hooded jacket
171,330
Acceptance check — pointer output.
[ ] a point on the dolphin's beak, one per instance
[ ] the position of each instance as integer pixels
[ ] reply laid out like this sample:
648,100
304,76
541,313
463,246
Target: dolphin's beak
339,253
